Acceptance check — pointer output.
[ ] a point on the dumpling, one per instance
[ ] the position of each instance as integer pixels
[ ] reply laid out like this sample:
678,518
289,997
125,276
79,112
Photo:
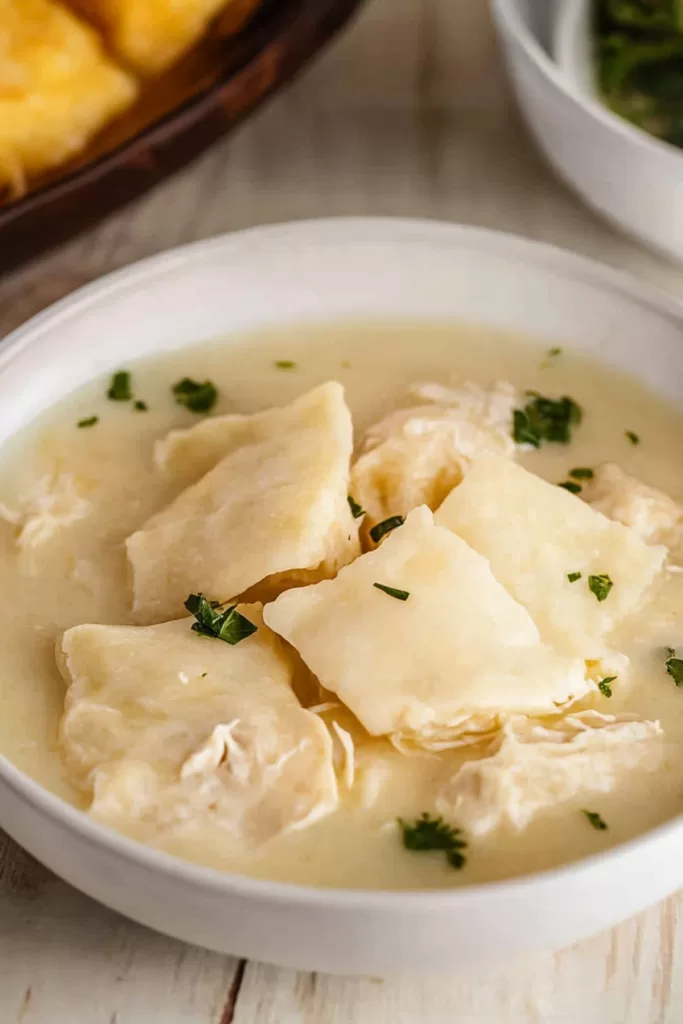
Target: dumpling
152,34
536,536
273,512
166,731
441,666
415,456
652,514
538,766
57,88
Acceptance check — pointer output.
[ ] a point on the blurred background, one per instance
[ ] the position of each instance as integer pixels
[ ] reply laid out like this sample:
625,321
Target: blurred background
409,112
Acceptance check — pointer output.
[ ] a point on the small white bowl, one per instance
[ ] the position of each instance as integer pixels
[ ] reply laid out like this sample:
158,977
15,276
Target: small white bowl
630,177
573,45
340,270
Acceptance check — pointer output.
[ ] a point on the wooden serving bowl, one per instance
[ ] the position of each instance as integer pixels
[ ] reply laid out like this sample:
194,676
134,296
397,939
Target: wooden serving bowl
181,112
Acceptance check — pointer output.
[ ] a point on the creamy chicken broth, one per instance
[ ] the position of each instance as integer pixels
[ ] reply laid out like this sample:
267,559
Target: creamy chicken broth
78,573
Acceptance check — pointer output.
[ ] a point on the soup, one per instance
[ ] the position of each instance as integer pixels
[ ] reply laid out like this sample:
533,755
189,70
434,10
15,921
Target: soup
405,699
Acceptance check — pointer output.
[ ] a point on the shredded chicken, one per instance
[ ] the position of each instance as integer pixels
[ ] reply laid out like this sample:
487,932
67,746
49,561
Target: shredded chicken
536,765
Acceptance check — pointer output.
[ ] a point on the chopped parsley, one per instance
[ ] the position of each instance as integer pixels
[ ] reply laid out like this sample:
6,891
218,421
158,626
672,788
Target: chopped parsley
400,595
582,473
570,486
356,510
90,421
545,419
386,526
140,406
229,625
119,389
194,396
633,438
552,352
595,820
674,666
428,833
600,586
604,686
285,364
573,576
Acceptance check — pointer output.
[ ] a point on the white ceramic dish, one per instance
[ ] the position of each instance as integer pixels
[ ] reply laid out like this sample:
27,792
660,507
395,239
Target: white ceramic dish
630,177
310,272
572,46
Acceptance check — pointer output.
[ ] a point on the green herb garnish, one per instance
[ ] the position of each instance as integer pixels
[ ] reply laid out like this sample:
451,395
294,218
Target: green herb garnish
604,686
428,833
285,364
582,473
600,585
89,422
595,820
674,666
229,625
633,438
573,576
552,352
119,389
545,419
386,526
356,510
140,406
194,396
400,595
639,51
570,486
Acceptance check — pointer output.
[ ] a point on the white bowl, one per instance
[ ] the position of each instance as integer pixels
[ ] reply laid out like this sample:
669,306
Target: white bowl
359,269
573,45
632,178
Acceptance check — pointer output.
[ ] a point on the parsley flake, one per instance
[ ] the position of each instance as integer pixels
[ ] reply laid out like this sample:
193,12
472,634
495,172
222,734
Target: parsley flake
573,576
229,625
570,486
285,364
595,820
604,686
356,510
545,419
195,397
119,388
90,421
428,833
400,595
552,352
582,473
386,526
633,438
674,666
600,586
140,406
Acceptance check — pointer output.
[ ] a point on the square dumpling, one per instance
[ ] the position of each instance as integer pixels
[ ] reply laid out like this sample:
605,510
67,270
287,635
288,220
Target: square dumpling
272,513
576,572
57,88
441,656
169,732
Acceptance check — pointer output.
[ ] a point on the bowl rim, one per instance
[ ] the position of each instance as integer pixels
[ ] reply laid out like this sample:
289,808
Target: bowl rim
225,883
509,18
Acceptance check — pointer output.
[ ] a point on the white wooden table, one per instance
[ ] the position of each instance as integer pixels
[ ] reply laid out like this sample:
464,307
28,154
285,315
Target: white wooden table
409,114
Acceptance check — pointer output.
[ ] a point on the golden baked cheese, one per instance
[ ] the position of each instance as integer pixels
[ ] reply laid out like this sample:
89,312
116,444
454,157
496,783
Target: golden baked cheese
151,34
57,88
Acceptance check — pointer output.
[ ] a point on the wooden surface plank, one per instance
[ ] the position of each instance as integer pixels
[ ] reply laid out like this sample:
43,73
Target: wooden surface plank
408,115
